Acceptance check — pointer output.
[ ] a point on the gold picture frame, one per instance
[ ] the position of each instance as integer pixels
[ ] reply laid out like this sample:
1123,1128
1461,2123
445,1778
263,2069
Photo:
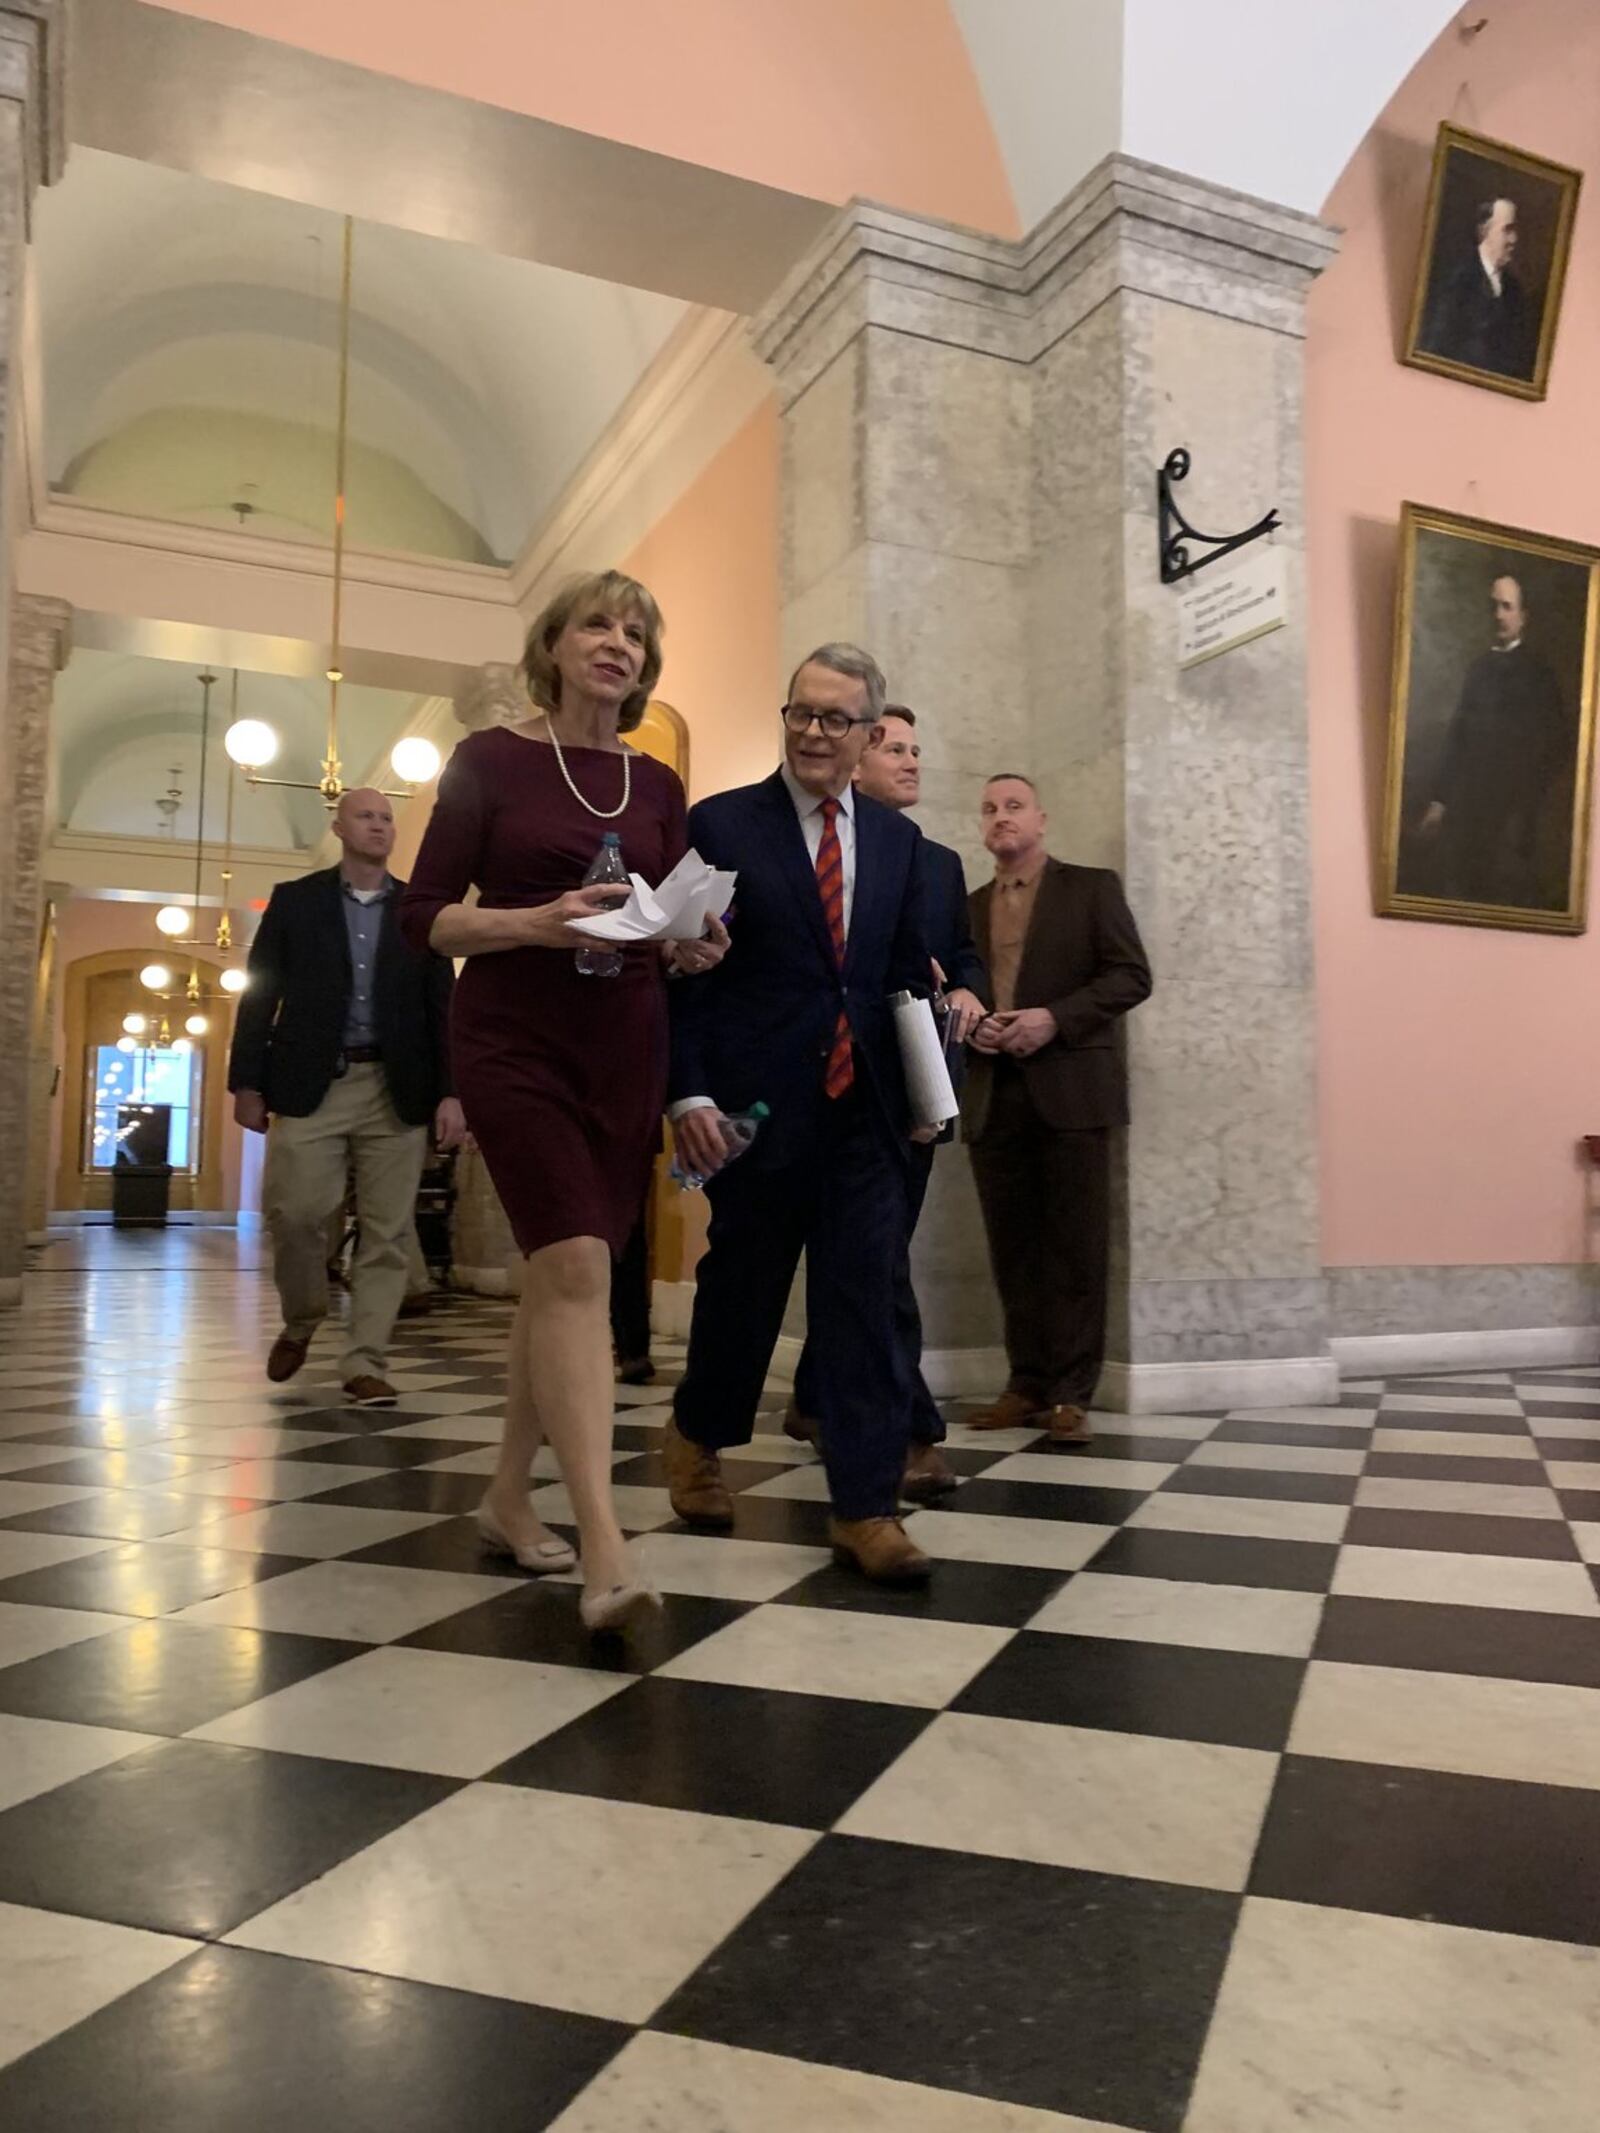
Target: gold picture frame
1476,317
1491,726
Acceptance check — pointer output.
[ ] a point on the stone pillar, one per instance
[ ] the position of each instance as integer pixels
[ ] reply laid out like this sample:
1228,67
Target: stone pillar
40,640
972,430
42,1089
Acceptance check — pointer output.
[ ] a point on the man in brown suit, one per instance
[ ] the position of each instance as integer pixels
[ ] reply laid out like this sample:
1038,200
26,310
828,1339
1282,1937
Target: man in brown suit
1045,1088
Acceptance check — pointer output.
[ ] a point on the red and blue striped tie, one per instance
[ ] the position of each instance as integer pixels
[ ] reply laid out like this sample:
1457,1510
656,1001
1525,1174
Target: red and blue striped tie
830,881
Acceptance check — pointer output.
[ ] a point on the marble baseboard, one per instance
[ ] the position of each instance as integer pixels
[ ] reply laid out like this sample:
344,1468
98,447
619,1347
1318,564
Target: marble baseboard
1377,1355
1250,1319
1370,1301
1199,1387
671,1308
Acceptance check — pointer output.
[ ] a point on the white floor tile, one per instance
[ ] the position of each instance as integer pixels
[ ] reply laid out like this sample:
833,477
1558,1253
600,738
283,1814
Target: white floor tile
681,2085
483,1428
312,1529
1573,1473
639,1510
55,1971
1340,2022
37,1754
1541,1732
22,1552
602,1907
369,1603
29,1632
1466,1580
1450,1403
1587,1535
1226,1618
450,1712
1384,1492
1585,1429
17,1458
18,1497
1032,1543
253,1440
1307,1417
1111,1803
1081,1470
798,1484
1454,1444
719,1569
1252,1517
830,1652
1280,1458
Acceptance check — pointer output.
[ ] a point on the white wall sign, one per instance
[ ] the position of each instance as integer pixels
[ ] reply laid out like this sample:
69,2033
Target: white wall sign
1221,609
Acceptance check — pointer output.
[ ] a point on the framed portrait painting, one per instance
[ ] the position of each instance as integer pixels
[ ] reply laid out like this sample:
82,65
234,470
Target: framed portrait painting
1491,726
1494,256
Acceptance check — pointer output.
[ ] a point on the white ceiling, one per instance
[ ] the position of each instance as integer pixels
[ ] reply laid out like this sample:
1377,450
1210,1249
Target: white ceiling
122,723
487,378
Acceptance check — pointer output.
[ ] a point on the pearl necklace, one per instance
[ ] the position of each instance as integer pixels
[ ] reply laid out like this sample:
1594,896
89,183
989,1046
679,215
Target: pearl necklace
601,814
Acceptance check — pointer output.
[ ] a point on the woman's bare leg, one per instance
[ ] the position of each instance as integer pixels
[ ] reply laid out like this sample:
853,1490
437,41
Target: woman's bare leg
506,1498
563,1335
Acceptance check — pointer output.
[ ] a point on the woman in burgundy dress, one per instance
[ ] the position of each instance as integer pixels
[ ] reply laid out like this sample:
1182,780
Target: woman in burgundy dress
562,1075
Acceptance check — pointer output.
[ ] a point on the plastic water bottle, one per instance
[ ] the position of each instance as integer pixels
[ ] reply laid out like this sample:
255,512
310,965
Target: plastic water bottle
603,960
739,1129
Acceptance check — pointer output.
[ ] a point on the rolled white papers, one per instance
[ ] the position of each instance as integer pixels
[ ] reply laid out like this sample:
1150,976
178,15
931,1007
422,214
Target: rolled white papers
676,911
928,1087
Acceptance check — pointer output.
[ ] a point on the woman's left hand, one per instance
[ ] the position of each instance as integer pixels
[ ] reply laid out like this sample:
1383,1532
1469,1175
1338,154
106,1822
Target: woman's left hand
694,958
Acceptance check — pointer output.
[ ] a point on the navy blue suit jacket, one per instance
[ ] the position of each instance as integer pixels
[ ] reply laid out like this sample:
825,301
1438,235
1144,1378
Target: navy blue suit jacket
759,1027
948,919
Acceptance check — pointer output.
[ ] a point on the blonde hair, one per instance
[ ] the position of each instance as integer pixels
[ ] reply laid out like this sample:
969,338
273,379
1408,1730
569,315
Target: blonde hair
605,592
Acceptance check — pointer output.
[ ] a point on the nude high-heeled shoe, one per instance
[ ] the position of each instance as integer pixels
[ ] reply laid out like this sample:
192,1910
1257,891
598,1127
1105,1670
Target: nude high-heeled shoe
546,1558
615,1606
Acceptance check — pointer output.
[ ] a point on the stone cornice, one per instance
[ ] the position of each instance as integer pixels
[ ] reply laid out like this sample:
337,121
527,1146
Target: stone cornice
1127,226
33,56
41,632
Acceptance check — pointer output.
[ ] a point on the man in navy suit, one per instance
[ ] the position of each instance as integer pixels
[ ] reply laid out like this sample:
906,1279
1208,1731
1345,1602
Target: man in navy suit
891,771
827,923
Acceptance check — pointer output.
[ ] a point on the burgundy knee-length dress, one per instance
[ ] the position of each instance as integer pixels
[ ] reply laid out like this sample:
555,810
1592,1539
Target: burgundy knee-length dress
562,1077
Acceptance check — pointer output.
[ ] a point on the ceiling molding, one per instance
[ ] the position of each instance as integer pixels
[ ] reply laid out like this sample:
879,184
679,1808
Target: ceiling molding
705,384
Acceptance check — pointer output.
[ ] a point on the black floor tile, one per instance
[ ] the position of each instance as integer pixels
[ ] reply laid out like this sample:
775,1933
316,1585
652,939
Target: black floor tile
380,1448
88,1433
1534,1406
1242,1699
1451,1389
245,2043
407,1489
163,1677
117,1514
1581,1504
1473,1421
149,1578
540,1621
1073,1992
194,1837
761,1754
1004,1595
1461,1533
648,1470
1423,1466
1504,1643
1047,1499
448,1544
1220,1559
1292,1487
1428,1844
1172,1451
121,1470
1318,1436
1584,1449
374,1421
769,1518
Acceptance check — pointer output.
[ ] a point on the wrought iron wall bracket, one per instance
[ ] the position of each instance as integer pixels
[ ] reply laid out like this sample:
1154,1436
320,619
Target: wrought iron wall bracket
1176,532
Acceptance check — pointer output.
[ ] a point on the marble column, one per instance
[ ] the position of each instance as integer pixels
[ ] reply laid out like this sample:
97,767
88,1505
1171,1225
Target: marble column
971,433
40,638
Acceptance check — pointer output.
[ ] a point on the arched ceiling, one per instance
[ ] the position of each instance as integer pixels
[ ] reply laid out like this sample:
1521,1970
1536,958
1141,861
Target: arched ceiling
189,332
121,723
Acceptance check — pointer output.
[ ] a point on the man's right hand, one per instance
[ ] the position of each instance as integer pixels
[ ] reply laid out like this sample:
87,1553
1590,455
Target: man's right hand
699,1140
250,1110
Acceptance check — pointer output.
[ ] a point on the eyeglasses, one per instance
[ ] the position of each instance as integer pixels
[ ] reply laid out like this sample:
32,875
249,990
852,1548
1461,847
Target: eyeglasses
800,718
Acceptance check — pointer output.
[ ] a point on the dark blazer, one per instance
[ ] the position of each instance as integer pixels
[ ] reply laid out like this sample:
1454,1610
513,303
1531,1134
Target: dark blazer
1083,959
759,1027
947,916
1468,323
289,1028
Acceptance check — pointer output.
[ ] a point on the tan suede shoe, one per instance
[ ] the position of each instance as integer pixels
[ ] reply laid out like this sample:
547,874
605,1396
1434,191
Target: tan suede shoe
1013,1410
285,1358
369,1392
694,1480
881,1549
928,1475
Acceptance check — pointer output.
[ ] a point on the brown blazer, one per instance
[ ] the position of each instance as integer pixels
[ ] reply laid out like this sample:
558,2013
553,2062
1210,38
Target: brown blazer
1083,959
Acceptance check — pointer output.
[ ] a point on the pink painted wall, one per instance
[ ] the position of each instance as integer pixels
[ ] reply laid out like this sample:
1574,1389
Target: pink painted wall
1457,1065
712,563
821,97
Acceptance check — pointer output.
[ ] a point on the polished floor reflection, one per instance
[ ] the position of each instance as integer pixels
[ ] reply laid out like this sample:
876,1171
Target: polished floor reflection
1237,1774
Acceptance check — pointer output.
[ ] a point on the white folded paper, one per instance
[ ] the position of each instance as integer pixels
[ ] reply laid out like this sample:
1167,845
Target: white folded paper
676,911
928,1086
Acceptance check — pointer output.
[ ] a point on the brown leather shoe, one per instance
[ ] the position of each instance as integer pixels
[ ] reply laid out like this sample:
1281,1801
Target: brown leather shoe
636,1370
800,1427
881,1549
285,1358
418,1306
928,1475
1013,1410
1068,1425
694,1481
369,1392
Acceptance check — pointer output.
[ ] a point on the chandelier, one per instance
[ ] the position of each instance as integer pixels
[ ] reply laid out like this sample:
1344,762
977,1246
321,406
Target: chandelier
175,921
251,742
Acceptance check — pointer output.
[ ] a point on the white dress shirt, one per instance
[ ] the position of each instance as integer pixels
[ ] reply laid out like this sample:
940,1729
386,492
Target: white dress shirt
1492,272
808,808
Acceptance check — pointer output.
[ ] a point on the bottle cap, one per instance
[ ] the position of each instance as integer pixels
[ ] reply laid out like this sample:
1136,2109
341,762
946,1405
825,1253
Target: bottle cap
758,1111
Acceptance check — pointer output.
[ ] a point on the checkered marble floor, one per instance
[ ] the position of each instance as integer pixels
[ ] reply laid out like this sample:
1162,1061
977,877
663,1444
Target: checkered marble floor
1237,1774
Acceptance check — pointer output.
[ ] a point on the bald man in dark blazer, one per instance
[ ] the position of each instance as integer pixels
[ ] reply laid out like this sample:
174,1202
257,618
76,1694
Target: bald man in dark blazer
1046,1087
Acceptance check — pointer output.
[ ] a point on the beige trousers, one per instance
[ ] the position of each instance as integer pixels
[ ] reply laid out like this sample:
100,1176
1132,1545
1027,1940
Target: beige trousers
307,1163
